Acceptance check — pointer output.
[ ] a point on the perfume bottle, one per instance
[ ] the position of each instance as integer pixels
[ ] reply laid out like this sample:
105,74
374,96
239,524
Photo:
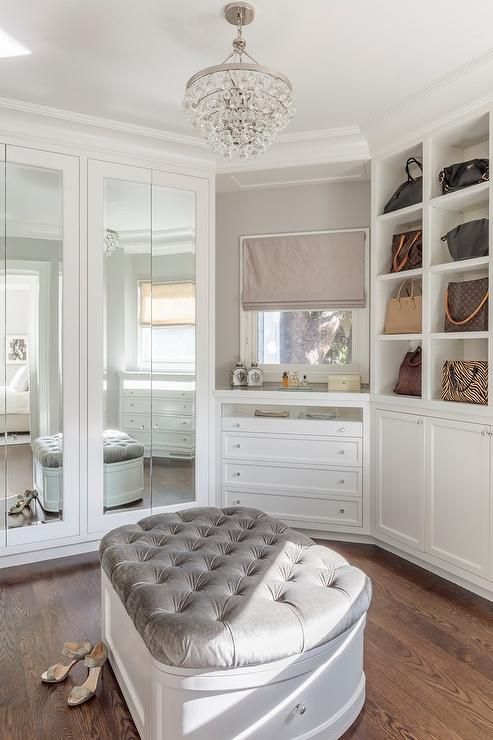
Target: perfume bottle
239,376
285,380
255,376
295,380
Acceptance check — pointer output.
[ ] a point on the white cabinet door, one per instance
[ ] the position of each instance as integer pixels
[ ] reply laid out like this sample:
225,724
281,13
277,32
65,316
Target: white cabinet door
399,477
458,495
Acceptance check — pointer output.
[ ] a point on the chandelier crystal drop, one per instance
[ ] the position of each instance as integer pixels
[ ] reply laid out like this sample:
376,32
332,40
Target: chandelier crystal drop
240,106
111,241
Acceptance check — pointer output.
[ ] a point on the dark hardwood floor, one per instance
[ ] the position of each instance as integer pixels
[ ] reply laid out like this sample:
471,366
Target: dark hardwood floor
429,655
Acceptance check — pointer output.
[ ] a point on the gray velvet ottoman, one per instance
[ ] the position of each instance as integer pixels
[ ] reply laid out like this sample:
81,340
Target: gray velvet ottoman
225,623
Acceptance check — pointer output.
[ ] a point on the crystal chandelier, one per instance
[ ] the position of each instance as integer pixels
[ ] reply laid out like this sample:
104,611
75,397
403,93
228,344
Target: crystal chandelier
239,105
111,241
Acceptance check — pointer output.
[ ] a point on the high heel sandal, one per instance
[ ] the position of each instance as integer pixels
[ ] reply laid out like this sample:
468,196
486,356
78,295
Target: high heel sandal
94,662
76,651
24,500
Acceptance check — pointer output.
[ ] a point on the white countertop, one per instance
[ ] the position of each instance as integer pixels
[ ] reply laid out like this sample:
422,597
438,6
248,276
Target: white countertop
318,395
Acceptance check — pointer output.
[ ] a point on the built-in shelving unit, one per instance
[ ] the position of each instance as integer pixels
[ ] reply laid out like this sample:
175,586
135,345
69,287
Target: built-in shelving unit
462,139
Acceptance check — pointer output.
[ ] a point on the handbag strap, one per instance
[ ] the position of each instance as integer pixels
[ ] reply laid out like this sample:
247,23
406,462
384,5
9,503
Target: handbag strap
415,354
458,228
469,318
412,160
453,378
406,256
401,286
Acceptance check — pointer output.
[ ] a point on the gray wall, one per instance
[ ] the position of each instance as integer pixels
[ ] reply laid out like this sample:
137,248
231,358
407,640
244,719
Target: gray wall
270,211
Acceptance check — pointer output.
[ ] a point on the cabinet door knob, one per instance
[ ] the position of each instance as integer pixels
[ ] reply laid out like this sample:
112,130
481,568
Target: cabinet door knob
341,511
236,447
156,426
237,501
236,475
236,426
420,421
184,423
340,452
142,426
341,429
341,481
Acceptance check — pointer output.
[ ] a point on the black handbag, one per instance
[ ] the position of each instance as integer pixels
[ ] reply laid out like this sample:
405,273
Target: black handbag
410,192
464,174
468,240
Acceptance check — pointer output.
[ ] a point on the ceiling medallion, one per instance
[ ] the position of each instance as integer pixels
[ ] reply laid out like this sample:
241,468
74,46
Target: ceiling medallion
240,106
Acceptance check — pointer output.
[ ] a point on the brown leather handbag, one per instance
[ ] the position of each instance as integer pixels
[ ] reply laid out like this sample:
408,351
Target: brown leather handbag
466,306
407,251
409,383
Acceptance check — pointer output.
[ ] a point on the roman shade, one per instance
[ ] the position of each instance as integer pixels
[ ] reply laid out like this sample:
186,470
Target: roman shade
166,304
301,272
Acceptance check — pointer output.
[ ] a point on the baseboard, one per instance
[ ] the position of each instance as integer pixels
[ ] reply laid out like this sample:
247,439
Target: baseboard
51,553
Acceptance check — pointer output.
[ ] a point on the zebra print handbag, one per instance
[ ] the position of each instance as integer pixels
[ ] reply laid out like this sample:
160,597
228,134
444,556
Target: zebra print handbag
465,381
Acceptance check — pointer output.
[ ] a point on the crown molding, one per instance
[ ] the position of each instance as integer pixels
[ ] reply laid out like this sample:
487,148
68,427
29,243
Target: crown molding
318,134
102,123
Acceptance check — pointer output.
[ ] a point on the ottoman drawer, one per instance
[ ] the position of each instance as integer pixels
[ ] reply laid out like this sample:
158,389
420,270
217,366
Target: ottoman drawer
307,509
326,481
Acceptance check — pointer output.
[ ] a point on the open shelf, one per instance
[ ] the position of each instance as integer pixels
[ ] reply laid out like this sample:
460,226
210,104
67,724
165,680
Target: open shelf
405,274
461,140
471,265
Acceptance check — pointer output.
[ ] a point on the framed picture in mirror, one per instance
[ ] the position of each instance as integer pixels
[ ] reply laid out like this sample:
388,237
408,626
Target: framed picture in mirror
16,350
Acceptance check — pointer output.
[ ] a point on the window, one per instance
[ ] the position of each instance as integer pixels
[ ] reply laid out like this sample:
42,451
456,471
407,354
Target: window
166,326
305,337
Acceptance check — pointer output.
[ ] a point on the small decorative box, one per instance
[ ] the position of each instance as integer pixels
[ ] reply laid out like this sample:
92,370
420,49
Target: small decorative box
344,382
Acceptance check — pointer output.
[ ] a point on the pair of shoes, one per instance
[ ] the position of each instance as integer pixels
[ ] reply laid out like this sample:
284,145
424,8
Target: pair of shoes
23,501
94,658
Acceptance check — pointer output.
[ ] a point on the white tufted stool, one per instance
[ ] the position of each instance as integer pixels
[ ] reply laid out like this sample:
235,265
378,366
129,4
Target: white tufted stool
225,623
123,459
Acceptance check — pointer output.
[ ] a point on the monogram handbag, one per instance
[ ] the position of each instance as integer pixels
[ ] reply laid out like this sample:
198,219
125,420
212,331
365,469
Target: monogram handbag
468,240
407,251
404,310
409,383
466,306
409,192
465,381
464,174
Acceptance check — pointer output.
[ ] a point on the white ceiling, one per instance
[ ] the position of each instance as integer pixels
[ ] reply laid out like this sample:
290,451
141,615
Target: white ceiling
349,60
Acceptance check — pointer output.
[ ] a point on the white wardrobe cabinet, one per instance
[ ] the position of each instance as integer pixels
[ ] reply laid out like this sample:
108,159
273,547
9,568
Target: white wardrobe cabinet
400,477
432,487
458,493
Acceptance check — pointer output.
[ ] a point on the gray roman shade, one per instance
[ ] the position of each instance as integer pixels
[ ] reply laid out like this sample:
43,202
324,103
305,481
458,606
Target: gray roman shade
304,272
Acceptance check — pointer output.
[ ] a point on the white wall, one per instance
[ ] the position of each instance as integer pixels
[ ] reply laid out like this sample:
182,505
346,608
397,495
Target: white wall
269,211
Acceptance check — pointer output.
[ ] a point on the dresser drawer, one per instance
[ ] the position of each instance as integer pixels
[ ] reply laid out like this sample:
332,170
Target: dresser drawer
309,511
140,422
290,448
268,425
146,393
175,406
177,424
328,482
173,440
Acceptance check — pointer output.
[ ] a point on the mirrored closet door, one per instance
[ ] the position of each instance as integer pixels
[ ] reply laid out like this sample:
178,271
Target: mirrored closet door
39,373
144,227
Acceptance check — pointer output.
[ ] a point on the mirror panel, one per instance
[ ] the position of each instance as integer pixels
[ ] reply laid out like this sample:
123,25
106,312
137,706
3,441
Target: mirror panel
169,339
31,346
126,373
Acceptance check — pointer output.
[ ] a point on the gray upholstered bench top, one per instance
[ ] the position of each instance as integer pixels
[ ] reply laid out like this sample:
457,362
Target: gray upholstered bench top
117,447
221,588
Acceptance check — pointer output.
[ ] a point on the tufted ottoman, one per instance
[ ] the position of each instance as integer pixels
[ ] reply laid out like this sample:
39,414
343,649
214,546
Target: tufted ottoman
123,469
225,623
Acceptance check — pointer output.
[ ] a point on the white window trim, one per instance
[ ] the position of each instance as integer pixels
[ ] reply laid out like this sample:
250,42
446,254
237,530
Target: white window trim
314,373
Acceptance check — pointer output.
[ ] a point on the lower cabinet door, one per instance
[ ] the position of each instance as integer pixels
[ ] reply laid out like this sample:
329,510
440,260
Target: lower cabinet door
458,495
399,477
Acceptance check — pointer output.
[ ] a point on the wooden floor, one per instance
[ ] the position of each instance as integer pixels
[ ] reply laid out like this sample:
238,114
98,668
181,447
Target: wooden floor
429,655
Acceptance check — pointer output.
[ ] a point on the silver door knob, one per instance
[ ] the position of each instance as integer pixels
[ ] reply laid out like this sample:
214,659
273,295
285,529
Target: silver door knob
299,709
341,429
156,426
341,481
132,405
484,433
142,426
420,421
341,511
236,475
236,447
340,452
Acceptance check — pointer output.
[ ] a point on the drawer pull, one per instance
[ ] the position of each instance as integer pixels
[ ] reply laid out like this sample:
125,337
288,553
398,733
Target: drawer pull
236,426
142,426
341,511
341,429
131,421
237,501
236,475
236,447
184,439
156,426
132,405
340,452
184,423
299,709
341,481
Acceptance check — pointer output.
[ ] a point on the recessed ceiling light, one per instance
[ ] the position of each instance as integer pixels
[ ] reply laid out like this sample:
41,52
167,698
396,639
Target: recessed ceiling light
10,47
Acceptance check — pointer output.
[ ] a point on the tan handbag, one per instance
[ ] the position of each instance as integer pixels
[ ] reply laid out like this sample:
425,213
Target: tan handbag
404,311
